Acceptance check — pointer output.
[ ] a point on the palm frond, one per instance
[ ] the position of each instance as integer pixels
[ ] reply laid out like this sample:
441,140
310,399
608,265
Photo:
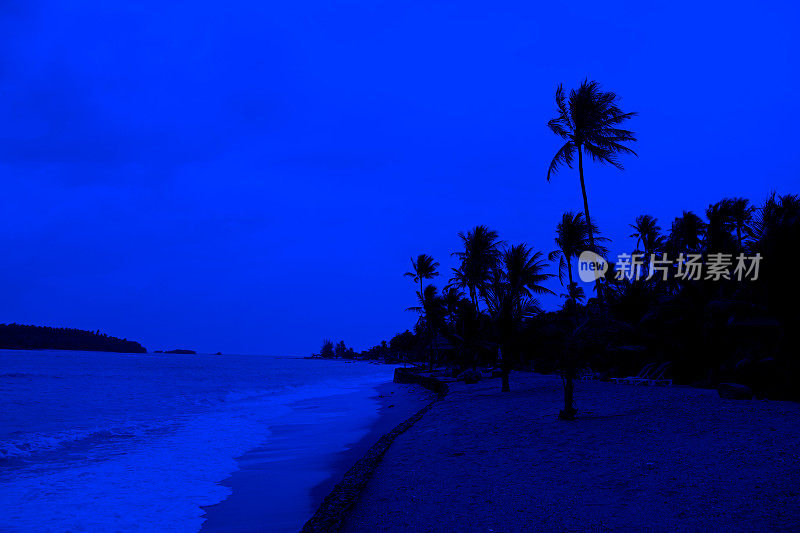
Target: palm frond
589,120
564,156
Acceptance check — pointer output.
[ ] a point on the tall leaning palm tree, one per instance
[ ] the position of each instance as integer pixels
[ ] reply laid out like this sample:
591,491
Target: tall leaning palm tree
589,121
424,267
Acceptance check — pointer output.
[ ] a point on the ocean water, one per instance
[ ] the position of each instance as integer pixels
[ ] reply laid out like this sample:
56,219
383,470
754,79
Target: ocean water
137,442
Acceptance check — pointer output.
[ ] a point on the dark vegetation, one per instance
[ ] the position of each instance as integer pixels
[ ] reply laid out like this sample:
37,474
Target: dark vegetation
19,337
711,331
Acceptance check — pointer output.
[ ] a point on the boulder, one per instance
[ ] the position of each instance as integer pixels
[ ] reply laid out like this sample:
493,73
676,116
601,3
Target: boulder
734,391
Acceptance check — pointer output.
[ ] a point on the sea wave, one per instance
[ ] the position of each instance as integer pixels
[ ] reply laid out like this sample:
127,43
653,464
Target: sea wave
142,444
27,444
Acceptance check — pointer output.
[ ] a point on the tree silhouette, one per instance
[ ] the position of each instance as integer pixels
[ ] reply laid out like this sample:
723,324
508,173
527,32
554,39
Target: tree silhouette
647,236
742,214
480,255
432,312
327,348
589,122
686,233
718,235
509,298
424,267
573,236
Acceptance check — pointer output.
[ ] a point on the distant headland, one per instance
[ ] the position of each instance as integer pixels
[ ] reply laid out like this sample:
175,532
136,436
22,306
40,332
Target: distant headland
21,337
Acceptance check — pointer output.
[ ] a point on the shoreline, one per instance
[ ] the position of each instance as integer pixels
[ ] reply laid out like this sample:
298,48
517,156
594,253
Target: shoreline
307,472
332,512
389,395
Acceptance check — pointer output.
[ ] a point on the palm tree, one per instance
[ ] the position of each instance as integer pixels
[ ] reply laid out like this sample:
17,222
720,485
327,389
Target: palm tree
569,358
431,310
775,236
423,268
574,295
481,252
469,333
509,297
777,213
686,233
647,235
524,271
573,236
718,230
742,214
451,299
517,279
589,122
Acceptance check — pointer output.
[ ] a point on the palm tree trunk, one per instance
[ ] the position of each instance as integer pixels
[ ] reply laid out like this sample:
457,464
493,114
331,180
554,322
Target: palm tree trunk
427,324
569,388
474,299
597,286
506,366
644,269
585,200
569,272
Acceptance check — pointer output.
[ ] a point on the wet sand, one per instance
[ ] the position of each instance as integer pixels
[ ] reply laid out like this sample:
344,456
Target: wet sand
279,486
638,458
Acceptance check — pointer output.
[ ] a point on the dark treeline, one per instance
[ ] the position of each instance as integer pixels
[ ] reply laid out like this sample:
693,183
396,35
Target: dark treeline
402,347
19,337
711,331
736,324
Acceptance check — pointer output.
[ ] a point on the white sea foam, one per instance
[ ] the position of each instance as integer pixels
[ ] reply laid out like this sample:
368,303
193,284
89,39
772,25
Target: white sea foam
151,474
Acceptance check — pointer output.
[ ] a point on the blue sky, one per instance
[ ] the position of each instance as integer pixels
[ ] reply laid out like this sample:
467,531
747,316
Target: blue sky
253,176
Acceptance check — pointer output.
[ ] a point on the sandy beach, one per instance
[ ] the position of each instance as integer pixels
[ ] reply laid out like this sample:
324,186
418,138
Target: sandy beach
638,458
